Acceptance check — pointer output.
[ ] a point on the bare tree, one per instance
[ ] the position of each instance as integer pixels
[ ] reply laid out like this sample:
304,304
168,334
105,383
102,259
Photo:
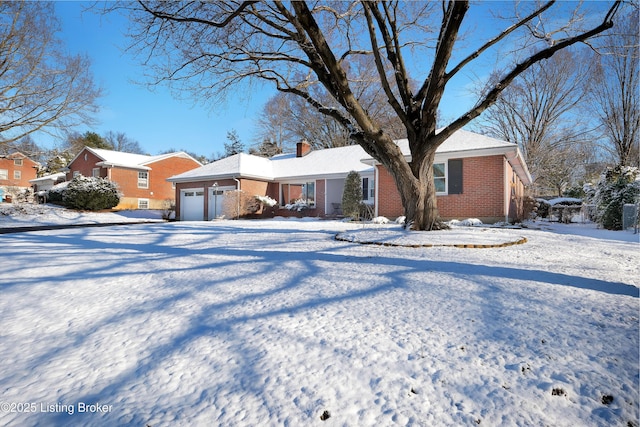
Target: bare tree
208,47
121,142
273,126
42,88
289,118
615,90
539,111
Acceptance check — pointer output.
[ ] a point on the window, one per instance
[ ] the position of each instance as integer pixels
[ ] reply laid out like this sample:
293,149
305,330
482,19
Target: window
17,174
95,172
447,177
17,162
143,203
4,174
143,179
300,194
439,177
368,189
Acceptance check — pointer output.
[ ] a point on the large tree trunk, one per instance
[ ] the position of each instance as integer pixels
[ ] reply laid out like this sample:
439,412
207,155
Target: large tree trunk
417,190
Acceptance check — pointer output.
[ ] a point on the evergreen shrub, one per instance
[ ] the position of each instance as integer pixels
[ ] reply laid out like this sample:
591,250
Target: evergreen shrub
90,193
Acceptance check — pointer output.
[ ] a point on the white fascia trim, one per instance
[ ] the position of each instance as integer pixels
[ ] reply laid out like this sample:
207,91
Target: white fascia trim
116,165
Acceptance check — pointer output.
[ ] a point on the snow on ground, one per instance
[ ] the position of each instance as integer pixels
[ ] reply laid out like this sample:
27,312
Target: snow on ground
30,215
274,322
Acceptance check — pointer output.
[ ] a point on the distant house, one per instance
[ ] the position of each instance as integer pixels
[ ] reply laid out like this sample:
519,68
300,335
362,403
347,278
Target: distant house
476,176
16,170
44,183
142,179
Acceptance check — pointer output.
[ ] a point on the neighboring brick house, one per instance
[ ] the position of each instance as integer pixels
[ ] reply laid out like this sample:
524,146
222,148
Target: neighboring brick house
476,177
16,170
142,179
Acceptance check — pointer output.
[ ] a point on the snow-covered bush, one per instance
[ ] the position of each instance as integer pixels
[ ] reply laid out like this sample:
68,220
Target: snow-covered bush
298,205
54,194
90,193
352,195
168,209
267,201
380,220
470,222
616,187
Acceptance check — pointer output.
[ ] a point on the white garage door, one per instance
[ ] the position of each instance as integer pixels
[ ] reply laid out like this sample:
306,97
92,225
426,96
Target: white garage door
216,201
192,205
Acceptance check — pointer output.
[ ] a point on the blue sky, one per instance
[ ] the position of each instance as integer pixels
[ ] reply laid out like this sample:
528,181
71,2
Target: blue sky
155,119
159,122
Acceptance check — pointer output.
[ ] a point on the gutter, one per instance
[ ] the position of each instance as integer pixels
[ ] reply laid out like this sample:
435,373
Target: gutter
238,197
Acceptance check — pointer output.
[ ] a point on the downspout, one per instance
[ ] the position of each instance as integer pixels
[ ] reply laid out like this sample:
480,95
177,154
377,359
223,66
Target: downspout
238,198
376,196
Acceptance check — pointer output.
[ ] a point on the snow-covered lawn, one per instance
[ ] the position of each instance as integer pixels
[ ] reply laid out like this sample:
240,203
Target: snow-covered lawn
275,322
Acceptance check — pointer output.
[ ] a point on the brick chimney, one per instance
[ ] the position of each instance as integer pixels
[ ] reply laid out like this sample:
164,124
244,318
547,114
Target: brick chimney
303,148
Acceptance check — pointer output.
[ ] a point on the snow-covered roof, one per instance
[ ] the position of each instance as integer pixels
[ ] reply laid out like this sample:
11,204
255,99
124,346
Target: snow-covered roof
242,164
53,177
130,160
463,141
327,163
338,162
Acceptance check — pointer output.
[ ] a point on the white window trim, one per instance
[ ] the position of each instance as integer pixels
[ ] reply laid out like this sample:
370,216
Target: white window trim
17,174
4,174
95,172
143,201
143,181
444,162
315,185
18,162
371,190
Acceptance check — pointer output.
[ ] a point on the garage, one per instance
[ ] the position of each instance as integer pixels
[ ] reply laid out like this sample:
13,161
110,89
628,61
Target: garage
216,201
192,204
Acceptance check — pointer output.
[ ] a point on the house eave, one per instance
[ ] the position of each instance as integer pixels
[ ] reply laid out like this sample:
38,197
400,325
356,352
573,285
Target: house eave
204,178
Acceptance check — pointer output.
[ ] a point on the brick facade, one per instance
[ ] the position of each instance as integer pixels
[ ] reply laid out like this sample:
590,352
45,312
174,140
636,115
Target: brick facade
255,188
17,169
157,191
483,194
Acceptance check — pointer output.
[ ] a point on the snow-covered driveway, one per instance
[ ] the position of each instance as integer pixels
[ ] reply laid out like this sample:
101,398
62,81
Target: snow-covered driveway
276,323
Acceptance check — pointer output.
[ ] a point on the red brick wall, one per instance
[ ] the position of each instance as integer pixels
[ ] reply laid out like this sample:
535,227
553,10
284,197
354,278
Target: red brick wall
482,197
389,202
28,170
84,167
483,191
158,189
163,169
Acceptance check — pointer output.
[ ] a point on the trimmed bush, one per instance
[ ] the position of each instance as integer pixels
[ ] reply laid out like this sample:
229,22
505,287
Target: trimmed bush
352,195
89,193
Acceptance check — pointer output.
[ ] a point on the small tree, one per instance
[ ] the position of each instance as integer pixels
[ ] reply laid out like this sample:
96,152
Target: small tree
617,187
237,204
90,193
352,195
234,146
